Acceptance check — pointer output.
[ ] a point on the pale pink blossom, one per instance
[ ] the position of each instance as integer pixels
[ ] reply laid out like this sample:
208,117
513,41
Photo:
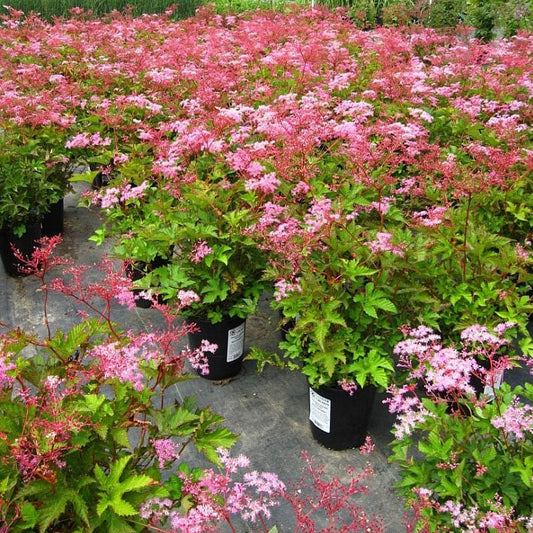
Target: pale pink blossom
382,206
320,214
187,298
199,356
200,250
383,243
300,189
478,333
83,140
516,421
430,217
166,450
119,362
368,447
521,253
266,184
348,386
6,367
284,287
421,114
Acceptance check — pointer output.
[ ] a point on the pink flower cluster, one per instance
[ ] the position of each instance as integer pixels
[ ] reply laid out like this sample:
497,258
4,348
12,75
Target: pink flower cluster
6,367
111,197
201,249
166,450
84,140
283,287
216,497
199,356
516,421
383,243
472,520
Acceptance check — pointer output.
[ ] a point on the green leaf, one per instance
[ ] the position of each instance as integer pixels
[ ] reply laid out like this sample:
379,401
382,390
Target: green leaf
117,469
29,516
120,436
321,330
122,507
100,476
369,309
102,505
55,504
215,289
385,305
353,269
209,442
134,483
116,524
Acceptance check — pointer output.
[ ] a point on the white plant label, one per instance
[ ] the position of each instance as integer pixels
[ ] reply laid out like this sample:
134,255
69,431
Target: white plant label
489,391
235,343
319,411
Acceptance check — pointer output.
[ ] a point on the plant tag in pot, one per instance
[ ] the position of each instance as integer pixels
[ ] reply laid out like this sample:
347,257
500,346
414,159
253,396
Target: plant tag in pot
235,343
319,411
489,391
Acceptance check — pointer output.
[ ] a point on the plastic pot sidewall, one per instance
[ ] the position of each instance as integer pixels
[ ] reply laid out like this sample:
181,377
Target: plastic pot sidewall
340,421
53,221
228,335
25,244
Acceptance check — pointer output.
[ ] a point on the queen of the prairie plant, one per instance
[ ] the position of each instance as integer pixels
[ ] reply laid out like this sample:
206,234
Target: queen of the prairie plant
84,410
463,440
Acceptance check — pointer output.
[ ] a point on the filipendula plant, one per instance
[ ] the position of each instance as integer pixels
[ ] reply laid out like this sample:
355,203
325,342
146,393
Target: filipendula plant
463,439
88,428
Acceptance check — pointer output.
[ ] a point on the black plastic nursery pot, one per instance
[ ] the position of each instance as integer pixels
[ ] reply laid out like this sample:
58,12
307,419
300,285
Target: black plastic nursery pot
228,335
53,221
338,420
25,244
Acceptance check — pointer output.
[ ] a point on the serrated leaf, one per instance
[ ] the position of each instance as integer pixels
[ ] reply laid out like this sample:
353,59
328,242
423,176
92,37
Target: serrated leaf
321,330
369,309
385,305
134,483
122,507
53,507
219,438
4,484
181,417
116,524
215,289
80,507
102,505
120,436
100,476
116,470
353,269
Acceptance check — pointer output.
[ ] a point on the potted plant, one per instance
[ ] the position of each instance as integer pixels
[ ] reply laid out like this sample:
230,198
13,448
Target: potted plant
465,459
199,223
344,287
88,435
31,183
